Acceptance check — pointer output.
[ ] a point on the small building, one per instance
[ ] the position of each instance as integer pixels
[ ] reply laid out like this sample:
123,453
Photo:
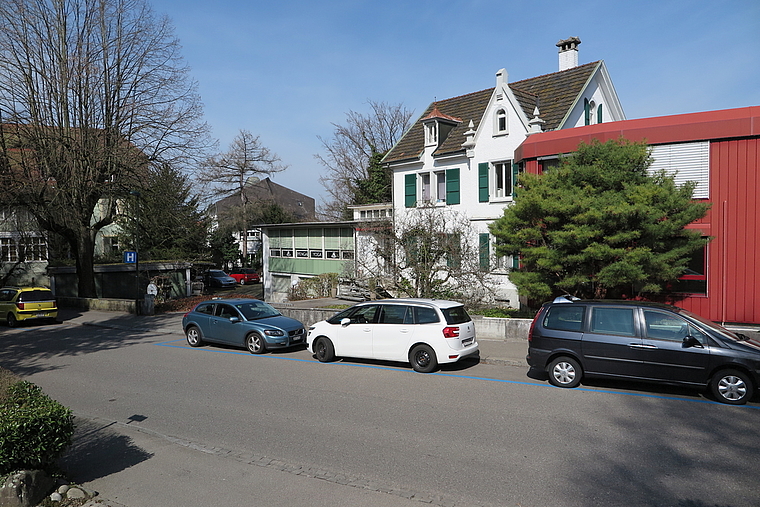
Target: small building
720,150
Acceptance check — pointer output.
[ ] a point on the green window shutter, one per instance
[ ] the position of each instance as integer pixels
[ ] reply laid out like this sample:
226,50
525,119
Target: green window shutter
484,251
515,262
586,112
452,186
410,190
599,117
515,174
483,182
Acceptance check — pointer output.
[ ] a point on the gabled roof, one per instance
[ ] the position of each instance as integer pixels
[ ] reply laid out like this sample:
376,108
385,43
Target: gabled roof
466,107
554,94
267,191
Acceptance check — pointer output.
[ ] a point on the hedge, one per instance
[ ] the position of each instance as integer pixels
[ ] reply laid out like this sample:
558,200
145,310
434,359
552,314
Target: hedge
34,429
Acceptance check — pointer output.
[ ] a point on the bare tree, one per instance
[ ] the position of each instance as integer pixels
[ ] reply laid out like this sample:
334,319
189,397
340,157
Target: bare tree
229,173
348,154
425,253
91,92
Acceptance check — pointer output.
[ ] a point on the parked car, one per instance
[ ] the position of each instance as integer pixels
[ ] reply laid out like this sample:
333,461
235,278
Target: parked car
218,278
574,339
248,323
422,332
21,304
245,275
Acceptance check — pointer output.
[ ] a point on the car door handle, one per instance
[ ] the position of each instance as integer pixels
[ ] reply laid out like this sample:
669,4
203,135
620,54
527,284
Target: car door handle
641,346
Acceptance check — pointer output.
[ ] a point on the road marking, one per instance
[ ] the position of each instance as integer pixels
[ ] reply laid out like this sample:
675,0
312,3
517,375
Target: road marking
183,345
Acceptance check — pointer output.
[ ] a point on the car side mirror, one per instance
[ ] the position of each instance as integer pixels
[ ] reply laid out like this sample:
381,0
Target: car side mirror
690,341
234,320
345,322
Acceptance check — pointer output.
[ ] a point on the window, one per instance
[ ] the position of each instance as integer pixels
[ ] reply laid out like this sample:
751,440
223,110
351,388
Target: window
500,122
617,321
502,178
392,314
440,186
495,180
694,280
8,250
484,251
437,187
431,134
24,249
425,183
565,318
424,315
662,326
586,112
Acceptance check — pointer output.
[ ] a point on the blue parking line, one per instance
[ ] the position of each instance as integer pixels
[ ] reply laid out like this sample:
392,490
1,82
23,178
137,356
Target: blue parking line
172,343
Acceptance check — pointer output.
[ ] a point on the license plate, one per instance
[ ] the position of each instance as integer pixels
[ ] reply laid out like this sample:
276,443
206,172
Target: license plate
467,341
40,315
297,338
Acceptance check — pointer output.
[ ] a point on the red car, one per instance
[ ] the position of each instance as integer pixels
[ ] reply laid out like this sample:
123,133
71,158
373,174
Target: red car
245,275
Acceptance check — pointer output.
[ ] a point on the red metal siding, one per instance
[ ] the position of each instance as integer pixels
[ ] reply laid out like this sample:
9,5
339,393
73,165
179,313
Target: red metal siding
733,256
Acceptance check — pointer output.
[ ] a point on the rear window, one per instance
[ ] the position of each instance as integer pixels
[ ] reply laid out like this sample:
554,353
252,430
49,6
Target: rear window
36,295
208,309
565,317
456,315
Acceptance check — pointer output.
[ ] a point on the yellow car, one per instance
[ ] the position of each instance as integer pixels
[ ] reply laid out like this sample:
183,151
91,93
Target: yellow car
18,304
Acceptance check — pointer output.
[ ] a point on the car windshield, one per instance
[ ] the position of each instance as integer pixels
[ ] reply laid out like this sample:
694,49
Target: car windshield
456,315
713,326
217,273
256,310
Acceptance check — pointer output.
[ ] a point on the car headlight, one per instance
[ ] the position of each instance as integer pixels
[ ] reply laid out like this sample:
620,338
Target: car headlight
274,332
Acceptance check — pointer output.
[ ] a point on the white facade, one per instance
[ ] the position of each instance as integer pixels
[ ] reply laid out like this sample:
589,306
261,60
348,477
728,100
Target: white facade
464,162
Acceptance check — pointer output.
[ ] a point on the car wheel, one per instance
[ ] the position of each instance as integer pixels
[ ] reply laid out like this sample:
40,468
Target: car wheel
11,320
255,344
193,335
732,387
423,359
565,372
324,350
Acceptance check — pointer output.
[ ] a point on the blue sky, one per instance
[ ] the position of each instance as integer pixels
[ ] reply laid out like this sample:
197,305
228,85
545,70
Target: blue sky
286,70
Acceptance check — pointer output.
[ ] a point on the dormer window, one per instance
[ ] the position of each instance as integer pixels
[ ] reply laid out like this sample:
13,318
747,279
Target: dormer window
500,122
431,133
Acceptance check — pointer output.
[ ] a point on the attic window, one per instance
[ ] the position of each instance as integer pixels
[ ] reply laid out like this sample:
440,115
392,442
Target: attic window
431,133
500,122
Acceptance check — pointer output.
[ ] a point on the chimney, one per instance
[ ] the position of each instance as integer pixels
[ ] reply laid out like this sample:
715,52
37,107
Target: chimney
568,53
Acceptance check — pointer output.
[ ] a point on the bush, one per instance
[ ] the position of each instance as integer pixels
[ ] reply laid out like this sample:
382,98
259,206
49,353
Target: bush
321,286
34,429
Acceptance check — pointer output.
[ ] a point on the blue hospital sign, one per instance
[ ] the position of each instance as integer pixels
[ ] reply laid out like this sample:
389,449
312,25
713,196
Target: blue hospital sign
130,257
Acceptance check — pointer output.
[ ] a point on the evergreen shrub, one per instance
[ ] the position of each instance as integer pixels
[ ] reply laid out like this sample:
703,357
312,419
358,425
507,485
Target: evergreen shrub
34,429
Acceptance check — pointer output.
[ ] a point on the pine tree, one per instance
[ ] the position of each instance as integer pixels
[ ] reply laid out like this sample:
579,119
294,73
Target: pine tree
600,226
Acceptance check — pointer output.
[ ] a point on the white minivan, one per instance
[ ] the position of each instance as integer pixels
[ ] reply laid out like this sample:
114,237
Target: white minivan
422,332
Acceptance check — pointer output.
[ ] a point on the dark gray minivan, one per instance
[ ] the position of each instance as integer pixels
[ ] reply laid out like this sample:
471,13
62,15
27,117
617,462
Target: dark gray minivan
571,339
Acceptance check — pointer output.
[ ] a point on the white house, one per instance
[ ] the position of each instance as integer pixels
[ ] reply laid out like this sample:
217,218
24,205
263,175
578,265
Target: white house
458,156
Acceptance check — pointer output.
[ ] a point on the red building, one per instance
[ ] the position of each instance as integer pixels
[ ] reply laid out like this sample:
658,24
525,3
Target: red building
720,150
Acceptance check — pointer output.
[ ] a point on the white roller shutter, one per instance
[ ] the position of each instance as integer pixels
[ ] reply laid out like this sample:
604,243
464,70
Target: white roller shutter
688,161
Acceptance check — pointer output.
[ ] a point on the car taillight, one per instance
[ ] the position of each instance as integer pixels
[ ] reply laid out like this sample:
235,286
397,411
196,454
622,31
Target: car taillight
451,332
533,324
20,306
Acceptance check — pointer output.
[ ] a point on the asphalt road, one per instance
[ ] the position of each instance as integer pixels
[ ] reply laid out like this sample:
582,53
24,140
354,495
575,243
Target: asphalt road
163,424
